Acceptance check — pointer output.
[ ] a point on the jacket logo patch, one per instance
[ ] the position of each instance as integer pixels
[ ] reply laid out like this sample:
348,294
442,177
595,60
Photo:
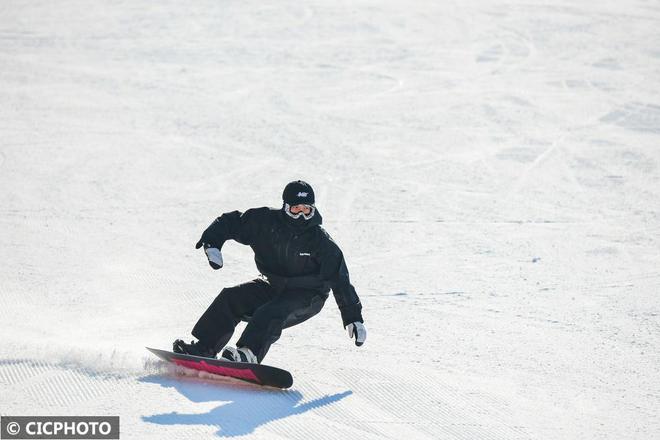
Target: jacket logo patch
305,254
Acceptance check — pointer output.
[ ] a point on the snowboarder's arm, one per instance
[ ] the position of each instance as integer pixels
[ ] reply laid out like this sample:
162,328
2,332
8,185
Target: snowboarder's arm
235,225
335,273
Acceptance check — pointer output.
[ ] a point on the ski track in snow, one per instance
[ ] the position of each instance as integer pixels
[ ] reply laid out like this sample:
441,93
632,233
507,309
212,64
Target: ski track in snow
490,170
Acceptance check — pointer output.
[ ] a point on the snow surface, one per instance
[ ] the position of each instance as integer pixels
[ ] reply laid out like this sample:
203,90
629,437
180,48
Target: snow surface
490,169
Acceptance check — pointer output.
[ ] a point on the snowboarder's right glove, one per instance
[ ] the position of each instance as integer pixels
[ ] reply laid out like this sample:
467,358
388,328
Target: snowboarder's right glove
358,331
212,253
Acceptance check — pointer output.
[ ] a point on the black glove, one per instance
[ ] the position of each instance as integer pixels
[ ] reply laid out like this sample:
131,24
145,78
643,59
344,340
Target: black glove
212,253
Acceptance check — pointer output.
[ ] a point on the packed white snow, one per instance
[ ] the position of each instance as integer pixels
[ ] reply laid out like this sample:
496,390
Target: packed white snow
489,168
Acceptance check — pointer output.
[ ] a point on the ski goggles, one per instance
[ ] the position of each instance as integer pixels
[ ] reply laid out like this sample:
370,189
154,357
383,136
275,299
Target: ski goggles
297,211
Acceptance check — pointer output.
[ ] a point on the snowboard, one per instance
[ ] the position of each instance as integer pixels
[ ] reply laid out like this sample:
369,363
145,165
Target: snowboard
253,373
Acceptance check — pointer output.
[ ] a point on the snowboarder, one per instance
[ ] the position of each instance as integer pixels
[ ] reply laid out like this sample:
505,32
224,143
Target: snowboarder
299,264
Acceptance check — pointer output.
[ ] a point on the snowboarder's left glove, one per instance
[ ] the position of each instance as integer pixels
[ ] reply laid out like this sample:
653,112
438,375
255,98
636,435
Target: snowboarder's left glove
358,331
212,253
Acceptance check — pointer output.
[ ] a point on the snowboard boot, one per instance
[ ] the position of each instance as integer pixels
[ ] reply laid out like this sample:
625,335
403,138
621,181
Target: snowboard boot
194,348
242,354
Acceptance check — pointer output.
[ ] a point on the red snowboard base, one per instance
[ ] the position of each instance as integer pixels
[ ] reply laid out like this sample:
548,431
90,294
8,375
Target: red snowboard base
253,373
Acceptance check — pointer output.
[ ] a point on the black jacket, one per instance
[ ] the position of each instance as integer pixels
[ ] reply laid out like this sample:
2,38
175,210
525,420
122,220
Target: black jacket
288,255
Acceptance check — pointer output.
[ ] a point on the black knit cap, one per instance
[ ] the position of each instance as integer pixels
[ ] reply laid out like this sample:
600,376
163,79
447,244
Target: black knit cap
298,193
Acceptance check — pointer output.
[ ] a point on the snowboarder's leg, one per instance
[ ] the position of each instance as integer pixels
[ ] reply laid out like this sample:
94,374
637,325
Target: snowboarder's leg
216,326
287,310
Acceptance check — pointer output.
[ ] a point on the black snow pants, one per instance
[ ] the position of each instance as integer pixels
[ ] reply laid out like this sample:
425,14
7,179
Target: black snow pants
268,311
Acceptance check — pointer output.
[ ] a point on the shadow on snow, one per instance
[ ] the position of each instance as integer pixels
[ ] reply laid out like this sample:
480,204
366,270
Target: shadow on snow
247,407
